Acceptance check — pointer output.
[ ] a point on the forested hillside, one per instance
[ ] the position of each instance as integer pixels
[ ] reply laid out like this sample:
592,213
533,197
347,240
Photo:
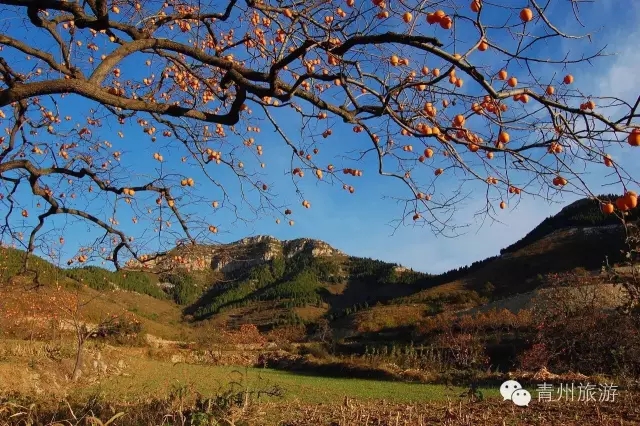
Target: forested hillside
305,285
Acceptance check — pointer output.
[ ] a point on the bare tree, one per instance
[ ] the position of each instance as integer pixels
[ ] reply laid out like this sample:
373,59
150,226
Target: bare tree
202,79
73,311
323,332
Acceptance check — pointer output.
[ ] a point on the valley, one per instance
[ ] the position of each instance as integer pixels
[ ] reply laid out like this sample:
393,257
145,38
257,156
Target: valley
293,314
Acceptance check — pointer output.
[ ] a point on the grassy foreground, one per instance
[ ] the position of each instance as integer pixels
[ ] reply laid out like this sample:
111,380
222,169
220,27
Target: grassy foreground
161,379
148,391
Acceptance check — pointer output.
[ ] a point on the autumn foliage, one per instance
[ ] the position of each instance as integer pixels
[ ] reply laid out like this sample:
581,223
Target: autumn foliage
53,311
196,88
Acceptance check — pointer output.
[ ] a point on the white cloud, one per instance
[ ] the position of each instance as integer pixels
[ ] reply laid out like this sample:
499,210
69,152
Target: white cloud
622,79
618,76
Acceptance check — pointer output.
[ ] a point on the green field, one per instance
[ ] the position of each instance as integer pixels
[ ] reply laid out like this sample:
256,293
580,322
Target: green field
159,379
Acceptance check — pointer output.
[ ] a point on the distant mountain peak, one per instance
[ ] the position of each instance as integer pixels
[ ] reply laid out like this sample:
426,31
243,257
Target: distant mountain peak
244,253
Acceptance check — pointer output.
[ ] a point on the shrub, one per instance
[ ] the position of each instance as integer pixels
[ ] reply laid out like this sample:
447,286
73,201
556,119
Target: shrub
588,341
246,334
283,336
120,329
102,279
463,350
185,290
487,289
578,334
536,357
318,351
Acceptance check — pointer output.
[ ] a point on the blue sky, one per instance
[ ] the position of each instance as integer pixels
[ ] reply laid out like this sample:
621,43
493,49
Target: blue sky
358,223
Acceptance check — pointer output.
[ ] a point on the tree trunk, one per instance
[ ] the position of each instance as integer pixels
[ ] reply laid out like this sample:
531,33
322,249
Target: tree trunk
77,369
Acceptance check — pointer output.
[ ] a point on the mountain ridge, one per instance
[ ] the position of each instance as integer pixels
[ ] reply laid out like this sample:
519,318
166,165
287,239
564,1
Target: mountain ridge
275,282
228,257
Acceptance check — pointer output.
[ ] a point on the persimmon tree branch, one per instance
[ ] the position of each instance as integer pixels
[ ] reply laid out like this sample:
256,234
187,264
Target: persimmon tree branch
409,82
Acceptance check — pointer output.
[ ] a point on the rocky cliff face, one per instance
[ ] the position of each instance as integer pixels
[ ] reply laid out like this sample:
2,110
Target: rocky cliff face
246,253
242,254
315,248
